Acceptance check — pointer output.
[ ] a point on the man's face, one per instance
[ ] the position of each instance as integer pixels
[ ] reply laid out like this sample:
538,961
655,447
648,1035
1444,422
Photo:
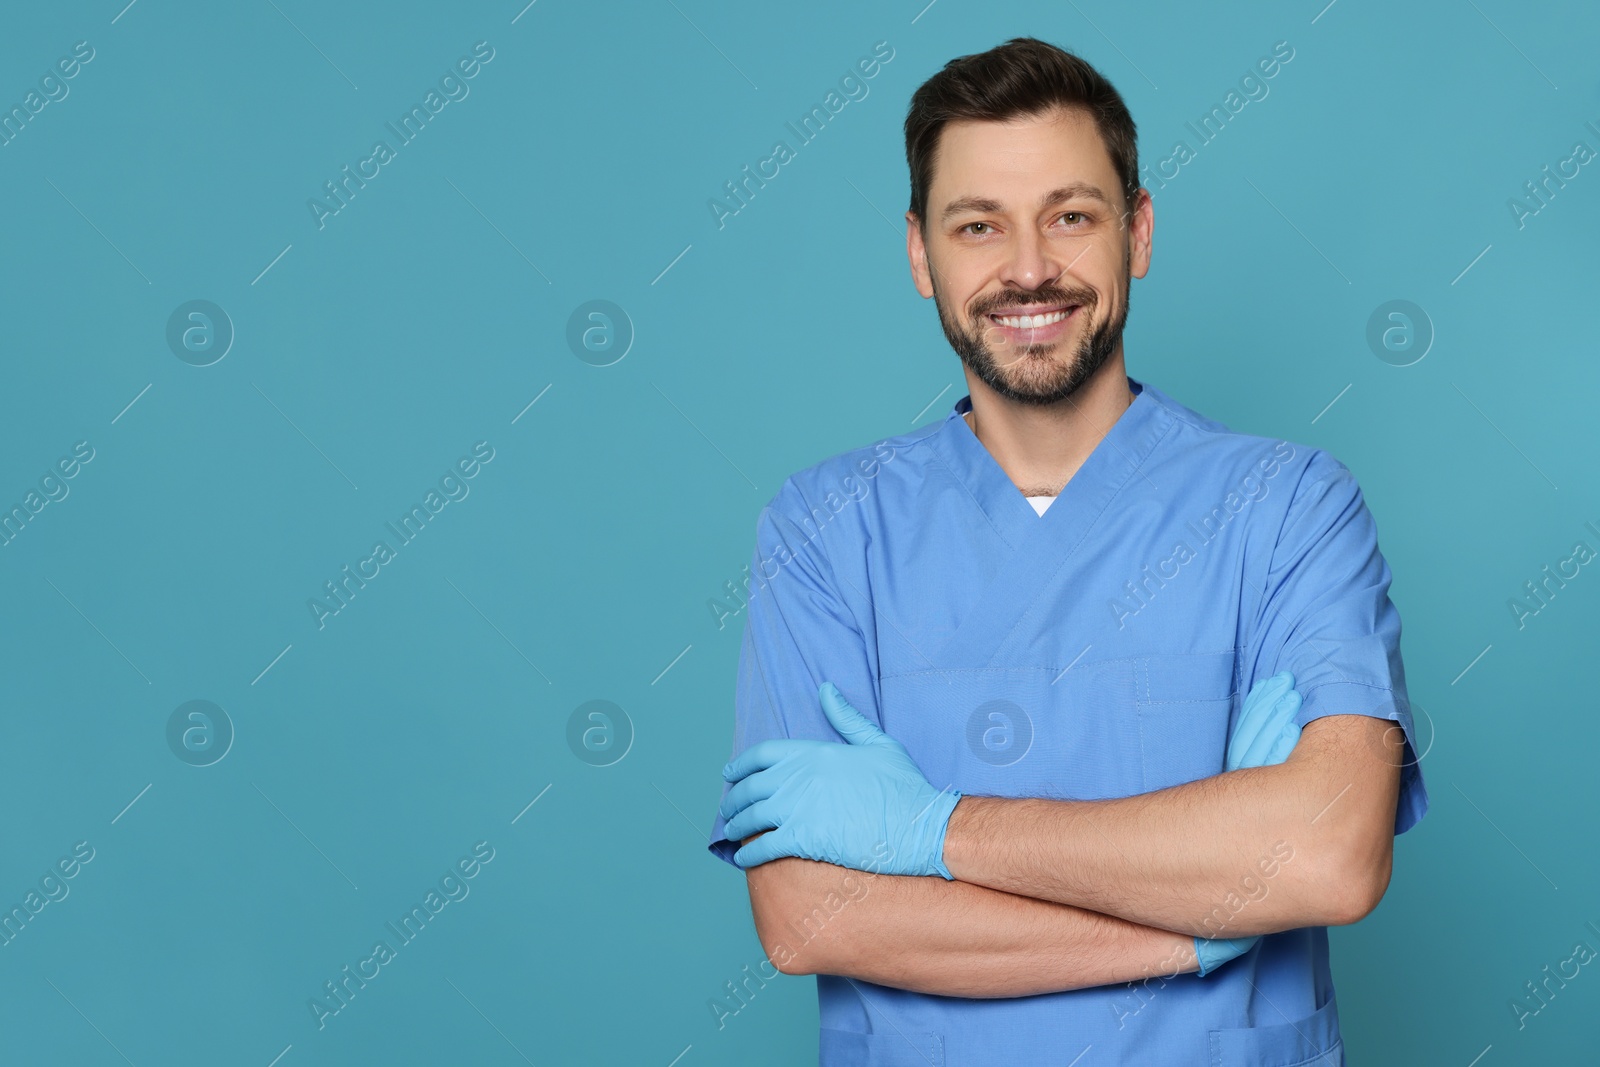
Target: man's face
1026,218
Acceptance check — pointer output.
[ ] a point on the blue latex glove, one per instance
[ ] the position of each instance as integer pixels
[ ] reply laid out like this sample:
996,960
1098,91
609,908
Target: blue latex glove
1266,732
864,804
1264,736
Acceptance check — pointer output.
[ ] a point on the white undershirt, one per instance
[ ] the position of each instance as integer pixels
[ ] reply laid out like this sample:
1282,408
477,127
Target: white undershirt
1040,502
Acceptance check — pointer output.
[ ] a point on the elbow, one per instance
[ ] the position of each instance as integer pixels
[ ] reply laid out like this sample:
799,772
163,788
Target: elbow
786,960
1353,882
776,890
781,953
799,908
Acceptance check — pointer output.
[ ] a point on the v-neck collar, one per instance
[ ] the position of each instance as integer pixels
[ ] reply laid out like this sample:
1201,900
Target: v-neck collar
1114,458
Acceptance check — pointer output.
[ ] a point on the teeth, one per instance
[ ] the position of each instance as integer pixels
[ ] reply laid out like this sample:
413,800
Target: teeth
1030,321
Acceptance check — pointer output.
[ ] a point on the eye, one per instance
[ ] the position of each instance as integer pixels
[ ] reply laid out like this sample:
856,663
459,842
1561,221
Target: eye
970,225
1079,214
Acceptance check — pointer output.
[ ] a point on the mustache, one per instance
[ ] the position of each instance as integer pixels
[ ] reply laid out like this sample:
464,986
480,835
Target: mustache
1017,301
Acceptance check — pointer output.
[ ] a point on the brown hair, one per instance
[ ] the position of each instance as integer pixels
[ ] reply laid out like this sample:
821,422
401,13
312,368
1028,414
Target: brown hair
1024,76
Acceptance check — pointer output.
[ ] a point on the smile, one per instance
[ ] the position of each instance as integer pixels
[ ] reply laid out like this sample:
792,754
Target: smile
1041,328
1033,321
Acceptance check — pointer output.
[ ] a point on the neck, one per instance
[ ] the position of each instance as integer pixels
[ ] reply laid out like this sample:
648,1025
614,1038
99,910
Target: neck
1041,447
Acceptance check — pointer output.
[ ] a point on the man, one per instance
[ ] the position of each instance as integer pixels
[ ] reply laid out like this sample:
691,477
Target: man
995,661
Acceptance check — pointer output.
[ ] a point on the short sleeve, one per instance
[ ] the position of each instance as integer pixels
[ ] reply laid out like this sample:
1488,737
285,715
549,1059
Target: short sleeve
798,632
1325,616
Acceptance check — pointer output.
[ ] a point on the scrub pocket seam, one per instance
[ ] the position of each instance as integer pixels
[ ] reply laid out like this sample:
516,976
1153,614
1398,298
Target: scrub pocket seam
1183,703
1142,666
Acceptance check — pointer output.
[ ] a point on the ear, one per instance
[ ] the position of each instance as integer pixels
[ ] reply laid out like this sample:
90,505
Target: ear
1141,224
917,255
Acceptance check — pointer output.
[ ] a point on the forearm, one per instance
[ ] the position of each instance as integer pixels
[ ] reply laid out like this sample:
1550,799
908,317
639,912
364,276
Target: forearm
930,935
1172,858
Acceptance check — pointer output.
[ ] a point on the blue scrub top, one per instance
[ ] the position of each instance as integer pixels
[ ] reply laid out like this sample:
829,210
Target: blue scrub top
1099,650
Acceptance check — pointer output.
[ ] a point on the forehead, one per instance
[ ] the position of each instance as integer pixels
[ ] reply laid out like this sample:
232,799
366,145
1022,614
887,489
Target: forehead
1013,161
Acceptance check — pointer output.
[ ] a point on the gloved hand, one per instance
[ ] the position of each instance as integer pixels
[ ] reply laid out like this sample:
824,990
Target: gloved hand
1264,736
864,804
1266,732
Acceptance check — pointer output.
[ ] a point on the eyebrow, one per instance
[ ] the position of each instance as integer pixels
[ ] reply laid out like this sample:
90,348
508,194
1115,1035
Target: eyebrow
984,205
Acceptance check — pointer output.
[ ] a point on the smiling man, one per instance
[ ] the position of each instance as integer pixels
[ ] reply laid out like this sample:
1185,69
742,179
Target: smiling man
1008,684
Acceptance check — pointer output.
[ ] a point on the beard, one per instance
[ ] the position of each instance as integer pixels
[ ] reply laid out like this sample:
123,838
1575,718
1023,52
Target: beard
1037,374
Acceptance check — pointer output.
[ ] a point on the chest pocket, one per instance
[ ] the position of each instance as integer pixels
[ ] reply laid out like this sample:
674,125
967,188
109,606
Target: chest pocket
1185,706
1021,732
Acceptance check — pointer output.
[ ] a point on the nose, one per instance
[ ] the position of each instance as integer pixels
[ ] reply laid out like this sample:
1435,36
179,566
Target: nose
1030,263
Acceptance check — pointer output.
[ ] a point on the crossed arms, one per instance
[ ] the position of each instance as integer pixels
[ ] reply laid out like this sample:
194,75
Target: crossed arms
1053,895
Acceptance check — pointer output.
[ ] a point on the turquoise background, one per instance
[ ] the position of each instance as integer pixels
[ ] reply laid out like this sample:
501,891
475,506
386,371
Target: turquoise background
372,753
